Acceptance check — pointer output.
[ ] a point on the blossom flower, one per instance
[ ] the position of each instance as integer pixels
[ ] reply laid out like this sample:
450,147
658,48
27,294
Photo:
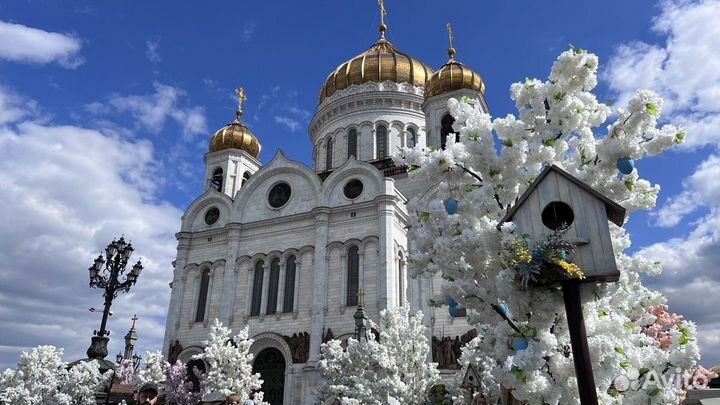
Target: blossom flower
43,378
230,363
561,122
393,369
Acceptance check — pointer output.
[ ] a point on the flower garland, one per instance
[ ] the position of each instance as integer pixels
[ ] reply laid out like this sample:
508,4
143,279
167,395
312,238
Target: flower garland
547,262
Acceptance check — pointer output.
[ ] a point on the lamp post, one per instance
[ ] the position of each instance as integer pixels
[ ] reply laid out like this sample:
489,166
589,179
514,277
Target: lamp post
105,273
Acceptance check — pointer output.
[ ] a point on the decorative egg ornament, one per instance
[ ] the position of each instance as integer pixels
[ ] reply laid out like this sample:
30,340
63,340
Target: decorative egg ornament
625,165
451,206
519,343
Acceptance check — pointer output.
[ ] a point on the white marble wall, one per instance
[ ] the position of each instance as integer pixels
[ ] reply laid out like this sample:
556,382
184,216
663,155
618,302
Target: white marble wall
318,225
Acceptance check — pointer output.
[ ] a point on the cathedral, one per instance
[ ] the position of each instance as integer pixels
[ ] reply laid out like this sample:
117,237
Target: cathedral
285,249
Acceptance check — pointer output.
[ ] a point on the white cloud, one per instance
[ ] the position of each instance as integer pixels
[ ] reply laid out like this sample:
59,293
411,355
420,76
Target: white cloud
67,192
685,70
701,189
13,106
32,45
290,123
151,51
247,32
153,110
691,279
282,105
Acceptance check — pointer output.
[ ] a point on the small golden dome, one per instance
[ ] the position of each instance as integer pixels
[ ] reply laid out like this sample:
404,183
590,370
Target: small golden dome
236,135
453,76
379,63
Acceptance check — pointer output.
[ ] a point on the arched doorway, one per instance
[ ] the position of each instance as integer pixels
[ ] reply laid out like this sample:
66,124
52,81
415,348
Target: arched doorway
270,363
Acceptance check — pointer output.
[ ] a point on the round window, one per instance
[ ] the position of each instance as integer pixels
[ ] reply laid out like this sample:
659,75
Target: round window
353,189
212,215
279,195
557,215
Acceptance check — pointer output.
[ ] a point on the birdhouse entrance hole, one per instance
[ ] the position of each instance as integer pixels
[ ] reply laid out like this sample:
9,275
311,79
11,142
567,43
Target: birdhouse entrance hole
557,215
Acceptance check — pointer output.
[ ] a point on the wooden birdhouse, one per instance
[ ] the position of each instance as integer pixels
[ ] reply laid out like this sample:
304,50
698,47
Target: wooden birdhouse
555,201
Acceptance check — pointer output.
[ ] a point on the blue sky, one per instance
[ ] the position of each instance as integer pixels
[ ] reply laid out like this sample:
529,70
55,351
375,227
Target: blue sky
106,109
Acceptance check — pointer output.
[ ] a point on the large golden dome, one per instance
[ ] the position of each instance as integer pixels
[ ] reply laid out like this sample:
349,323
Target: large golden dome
236,135
453,76
379,63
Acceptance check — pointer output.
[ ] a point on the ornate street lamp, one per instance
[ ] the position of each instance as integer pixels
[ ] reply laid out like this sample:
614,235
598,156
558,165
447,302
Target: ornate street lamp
105,273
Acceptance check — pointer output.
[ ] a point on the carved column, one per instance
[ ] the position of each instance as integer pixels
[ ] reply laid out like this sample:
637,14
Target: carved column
280,302
344,279
385,251
178,290
265,287
320,272
229,281
296,293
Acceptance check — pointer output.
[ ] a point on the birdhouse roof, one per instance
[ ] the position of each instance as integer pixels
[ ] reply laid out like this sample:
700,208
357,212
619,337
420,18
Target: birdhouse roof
615,212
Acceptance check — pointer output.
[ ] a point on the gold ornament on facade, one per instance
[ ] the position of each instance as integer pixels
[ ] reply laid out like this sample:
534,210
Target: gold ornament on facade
453,75
382,62
236,135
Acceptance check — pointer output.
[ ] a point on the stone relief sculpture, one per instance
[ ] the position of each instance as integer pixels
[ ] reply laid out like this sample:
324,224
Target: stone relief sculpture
446,350
299,346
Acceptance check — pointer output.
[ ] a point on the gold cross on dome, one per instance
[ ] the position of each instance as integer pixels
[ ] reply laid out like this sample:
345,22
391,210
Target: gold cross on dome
451,50
240,93
383,13
134,318
361,297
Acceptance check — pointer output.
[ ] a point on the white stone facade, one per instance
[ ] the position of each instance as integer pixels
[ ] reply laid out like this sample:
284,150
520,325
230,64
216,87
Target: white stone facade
317,228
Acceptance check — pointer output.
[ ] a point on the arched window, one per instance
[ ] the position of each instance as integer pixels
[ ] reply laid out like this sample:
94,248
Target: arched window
353,276
381,142
245,177
352,143
202,296
257,290
447,129
329,154
411,138
289,298
216,180
401,279
273,290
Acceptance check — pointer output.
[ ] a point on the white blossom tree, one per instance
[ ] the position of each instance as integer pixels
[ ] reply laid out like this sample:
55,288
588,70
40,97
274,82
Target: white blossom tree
43,378
173,378
230,363
559,122
154,370
392,370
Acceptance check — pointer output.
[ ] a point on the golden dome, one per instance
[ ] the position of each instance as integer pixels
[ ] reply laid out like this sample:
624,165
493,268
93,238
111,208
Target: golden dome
453,76
379,63
236,135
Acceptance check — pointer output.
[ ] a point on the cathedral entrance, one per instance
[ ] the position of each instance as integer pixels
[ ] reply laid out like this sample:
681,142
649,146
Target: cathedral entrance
270,363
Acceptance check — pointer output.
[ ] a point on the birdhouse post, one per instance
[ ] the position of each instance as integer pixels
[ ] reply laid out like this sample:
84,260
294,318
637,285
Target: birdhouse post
557,201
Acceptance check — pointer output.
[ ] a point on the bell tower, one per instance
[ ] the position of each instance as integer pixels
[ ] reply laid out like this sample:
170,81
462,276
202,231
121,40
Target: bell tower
233,154
453,80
